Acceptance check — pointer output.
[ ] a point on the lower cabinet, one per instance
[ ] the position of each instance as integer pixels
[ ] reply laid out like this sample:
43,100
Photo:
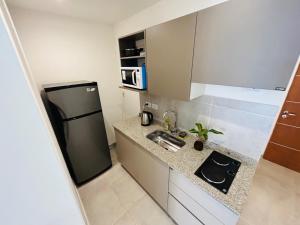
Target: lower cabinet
180,214
184,201
151,173
188,202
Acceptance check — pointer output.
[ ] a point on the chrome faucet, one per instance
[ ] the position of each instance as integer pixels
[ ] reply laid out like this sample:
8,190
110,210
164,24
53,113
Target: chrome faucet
168,124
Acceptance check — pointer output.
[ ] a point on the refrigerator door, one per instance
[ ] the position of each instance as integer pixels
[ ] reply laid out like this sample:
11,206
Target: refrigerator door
86,147
75,101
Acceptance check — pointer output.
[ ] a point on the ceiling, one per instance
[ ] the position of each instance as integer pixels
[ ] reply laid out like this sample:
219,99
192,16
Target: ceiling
108,11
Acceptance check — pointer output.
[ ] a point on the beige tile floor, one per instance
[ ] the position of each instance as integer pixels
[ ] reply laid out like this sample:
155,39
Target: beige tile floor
115,198
274,197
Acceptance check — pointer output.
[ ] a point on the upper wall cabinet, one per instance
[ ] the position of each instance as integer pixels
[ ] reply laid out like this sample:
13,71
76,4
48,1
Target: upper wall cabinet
170,57
244,43
247,43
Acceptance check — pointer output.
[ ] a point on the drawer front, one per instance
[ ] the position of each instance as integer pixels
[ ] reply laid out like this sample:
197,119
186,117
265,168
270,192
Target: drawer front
286,135
198,211
180,214
214,207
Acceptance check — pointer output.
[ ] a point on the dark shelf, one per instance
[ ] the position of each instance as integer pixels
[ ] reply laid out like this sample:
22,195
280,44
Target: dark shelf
130,48
133,57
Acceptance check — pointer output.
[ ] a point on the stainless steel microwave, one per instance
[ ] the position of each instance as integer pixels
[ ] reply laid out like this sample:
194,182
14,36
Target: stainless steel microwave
134,77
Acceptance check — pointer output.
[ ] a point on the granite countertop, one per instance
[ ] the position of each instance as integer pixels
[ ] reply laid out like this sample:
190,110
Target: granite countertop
187,160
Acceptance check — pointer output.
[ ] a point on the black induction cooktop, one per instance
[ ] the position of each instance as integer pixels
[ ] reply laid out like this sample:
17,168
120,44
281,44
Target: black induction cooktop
219,171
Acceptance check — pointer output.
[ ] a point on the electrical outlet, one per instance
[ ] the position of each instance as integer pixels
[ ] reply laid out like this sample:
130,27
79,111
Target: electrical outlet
154,106
147,104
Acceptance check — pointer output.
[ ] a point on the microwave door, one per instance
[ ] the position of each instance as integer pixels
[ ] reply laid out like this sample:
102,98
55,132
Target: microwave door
127,78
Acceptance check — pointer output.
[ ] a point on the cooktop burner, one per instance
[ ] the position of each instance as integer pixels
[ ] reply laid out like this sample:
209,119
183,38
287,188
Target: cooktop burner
218,170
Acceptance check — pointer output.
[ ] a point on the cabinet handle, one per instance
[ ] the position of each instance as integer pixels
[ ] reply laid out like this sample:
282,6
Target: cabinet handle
286,114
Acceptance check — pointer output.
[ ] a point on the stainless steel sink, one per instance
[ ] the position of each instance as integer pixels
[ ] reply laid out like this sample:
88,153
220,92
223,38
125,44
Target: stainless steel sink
166,140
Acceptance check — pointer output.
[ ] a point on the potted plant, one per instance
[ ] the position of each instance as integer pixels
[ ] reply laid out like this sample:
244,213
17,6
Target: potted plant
202,134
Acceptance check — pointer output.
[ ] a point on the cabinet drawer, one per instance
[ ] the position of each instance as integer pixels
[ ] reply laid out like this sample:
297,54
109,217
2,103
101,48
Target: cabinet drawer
181,215
197,210
203,199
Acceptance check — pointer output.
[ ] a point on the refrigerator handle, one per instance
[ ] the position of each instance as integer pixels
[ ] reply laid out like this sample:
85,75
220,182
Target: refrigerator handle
64,125
61,112
66,131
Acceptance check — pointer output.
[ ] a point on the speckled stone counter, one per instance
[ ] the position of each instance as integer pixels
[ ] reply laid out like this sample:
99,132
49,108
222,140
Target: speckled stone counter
187,160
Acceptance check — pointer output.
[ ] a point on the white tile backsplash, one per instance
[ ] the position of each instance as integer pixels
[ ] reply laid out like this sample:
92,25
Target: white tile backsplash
244,132
246,125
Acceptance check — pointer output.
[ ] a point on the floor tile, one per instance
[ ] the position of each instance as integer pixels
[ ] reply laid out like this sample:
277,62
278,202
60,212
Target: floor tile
128,191
273,197
126,219
114,198
114,157
103,207
147,212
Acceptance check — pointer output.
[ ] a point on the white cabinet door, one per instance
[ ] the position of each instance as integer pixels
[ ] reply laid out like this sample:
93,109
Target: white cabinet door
180,214
130,104
207,209
200,212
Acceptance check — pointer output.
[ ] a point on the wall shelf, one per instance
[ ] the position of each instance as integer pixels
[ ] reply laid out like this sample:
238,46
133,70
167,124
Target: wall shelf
133,57
133,54
133,42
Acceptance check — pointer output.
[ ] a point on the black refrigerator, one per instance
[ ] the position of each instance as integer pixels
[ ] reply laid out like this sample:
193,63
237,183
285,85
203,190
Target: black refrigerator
75,112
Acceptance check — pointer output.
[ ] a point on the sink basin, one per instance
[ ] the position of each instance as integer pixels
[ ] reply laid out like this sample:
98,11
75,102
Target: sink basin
166,140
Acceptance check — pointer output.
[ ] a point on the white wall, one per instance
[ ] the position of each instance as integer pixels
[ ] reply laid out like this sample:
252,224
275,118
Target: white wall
160,12
61,49
35,187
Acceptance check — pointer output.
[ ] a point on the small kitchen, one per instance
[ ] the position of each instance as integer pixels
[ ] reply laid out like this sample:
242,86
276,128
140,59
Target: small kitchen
173,113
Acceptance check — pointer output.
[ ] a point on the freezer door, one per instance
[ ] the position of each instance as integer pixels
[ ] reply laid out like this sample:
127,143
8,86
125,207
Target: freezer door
87,147
75,101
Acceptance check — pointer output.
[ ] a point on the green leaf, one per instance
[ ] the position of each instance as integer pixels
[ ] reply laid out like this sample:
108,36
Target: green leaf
199,126
194,131
203,132
215,131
